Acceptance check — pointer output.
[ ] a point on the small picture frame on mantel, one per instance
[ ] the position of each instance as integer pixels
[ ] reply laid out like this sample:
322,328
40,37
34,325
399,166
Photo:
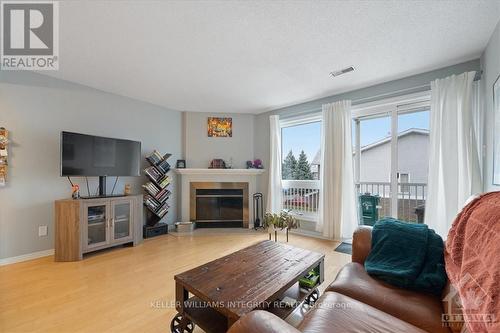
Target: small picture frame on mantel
181,164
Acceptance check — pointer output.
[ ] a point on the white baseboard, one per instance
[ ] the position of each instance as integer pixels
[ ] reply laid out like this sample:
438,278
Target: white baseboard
26,257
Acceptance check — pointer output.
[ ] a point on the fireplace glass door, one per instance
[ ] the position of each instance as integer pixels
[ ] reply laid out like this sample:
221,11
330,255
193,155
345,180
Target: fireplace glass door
219,205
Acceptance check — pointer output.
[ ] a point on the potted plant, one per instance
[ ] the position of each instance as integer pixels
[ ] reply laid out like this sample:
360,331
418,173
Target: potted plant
269,222
283,220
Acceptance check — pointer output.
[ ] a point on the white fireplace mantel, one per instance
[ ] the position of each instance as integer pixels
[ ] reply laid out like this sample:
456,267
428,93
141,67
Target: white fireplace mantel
242,172
187,176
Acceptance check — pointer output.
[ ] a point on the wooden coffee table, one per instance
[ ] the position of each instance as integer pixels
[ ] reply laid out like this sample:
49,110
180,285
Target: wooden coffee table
215,295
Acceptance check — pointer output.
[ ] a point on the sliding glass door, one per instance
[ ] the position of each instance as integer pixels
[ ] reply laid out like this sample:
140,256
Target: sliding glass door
391,163
373,165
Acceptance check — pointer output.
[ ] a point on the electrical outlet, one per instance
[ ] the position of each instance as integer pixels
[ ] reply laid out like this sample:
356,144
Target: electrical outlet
42,230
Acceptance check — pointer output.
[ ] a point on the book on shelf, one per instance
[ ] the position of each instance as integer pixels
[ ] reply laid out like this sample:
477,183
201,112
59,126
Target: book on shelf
159,179
153,173
164,166
164,181
163,195
151,188
162,210
155,157
151,202
159,209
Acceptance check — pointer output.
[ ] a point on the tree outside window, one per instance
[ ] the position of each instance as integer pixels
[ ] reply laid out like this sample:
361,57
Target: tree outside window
300,149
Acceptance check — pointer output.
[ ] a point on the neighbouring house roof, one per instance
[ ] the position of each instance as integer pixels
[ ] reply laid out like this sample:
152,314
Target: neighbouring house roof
421,131
317,158
400,135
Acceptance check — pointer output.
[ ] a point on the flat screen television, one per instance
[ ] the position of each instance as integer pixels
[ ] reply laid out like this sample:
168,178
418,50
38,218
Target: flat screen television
97,156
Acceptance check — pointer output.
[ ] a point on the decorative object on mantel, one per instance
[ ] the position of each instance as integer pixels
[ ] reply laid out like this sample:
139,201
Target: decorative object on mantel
496,132
4,141
220,127
157,194
207,171
180,164
284,220
217,163
255,164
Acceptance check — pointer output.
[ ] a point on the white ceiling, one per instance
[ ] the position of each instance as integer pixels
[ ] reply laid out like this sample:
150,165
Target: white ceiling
254,56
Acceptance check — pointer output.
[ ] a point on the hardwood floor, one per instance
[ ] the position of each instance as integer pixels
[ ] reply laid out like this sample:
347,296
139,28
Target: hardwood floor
125,289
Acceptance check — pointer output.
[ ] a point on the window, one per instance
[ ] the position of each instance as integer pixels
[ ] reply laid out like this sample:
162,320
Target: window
300,149
404,178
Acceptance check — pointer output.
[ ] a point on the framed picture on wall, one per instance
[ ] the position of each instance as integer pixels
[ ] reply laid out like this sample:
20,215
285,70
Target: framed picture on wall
496,132
220,127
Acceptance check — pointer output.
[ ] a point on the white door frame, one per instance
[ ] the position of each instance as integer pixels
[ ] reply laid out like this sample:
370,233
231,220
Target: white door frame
392,107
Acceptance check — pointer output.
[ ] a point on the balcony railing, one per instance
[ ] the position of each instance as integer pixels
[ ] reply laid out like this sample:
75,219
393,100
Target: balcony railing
410,196
301,197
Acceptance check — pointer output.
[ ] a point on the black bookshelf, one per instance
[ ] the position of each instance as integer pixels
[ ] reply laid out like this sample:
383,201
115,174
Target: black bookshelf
157,192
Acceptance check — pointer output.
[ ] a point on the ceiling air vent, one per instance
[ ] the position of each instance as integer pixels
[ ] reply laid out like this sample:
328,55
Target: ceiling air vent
342,71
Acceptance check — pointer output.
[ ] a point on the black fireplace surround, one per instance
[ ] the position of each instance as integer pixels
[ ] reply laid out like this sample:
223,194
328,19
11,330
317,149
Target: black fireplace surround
219,208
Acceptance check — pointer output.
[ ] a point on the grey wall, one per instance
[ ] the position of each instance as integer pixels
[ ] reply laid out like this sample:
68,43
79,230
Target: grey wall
36,108
490,62
201,149
389,89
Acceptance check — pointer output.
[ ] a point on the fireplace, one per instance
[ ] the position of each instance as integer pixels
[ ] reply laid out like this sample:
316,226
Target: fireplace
219,205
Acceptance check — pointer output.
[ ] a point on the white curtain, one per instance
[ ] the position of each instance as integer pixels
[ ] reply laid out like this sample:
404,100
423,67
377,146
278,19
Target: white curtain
274,202
338,205
454,151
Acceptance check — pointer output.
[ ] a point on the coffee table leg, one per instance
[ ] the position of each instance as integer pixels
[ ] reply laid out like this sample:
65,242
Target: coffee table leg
180,323
181,296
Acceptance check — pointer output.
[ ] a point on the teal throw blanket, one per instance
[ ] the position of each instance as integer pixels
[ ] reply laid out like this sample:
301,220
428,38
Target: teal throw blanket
407,255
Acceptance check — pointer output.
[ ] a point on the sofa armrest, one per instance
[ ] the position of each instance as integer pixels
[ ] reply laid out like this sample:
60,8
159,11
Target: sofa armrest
361,244
260,321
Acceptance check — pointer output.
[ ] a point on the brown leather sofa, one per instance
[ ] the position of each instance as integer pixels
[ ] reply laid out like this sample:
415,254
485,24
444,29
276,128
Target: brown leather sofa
356,302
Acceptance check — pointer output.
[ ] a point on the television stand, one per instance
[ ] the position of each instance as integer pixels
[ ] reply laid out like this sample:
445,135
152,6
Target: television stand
84,226
102,196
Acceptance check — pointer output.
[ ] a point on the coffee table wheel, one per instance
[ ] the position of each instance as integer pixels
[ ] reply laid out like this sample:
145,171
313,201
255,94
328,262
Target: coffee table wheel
181,324
313,297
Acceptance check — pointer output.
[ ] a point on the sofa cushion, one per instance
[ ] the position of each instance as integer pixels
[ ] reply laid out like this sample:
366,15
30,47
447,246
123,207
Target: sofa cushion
260,321
422,310
337,313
